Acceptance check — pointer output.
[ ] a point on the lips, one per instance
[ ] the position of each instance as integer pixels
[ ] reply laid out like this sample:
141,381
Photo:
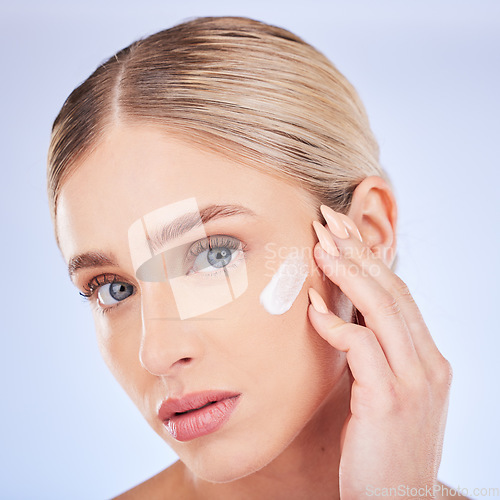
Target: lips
197,414
191,402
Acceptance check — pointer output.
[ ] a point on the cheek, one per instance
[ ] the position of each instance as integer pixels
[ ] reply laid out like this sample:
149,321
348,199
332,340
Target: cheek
118,339
267,347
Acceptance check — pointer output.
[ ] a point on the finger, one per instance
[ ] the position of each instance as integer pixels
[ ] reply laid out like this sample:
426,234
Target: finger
380,311
362,255
364,354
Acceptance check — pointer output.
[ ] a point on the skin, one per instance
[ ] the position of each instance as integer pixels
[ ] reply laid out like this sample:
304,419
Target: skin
296,425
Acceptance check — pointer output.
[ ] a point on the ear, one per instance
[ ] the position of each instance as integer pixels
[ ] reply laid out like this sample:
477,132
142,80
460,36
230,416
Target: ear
374,210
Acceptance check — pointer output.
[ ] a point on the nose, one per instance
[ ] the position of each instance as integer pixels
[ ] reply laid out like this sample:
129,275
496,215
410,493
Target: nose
168,343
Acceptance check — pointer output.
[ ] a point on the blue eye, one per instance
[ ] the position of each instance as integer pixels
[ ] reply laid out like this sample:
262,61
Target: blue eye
214,258
218,254
111,293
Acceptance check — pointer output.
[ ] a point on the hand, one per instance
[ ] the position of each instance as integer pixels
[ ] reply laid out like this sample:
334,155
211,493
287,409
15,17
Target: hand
399,395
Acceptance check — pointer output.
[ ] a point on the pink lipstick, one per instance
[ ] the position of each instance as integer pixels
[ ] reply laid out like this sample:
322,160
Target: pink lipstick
197,414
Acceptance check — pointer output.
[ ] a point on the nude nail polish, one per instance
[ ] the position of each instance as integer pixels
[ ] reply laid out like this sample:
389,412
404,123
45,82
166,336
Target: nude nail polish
334,222
351,226
317,301
325,239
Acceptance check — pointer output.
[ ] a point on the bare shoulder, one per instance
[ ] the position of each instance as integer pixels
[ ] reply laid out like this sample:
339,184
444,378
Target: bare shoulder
165,485
447,492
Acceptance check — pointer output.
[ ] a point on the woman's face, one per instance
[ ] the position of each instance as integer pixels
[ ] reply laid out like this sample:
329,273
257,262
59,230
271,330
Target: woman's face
278,363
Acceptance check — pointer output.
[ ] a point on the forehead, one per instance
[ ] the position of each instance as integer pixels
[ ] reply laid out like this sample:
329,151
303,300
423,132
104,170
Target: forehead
137,169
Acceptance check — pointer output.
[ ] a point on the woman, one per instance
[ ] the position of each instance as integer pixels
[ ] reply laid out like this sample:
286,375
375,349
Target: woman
216,193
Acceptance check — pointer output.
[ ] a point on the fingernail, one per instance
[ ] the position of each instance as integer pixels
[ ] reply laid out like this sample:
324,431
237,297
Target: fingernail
351,226
334,222
325,239
317,301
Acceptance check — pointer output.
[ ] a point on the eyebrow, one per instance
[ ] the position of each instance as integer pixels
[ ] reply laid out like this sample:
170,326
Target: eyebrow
174,229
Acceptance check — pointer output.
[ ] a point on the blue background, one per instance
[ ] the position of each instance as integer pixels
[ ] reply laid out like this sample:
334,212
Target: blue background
428,73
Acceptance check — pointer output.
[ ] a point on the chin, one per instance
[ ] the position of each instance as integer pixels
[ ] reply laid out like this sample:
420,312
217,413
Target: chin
224,460
227,468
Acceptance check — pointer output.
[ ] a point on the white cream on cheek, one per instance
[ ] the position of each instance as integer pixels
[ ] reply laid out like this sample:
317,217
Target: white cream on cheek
284,287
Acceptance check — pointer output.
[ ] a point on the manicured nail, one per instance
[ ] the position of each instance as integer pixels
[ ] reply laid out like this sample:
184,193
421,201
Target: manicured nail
351,226
334,222
325,239
317,301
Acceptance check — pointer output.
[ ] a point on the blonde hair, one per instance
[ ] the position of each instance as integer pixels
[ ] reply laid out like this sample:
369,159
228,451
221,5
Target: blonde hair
251,91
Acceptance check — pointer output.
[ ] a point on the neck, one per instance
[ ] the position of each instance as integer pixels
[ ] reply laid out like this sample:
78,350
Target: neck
307,468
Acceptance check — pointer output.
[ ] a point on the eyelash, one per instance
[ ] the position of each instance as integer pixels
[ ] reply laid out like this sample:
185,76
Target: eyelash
218,240
93,285
201,245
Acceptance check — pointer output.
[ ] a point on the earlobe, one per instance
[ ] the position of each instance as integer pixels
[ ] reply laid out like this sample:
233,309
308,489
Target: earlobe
374,211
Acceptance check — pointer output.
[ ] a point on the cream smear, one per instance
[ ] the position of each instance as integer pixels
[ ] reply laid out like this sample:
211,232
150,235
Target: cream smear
284,287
